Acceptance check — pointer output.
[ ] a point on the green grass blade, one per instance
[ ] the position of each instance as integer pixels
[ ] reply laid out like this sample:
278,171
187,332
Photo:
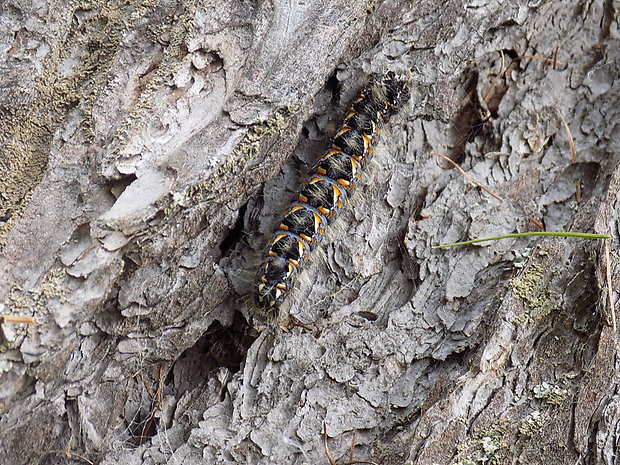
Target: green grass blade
528,234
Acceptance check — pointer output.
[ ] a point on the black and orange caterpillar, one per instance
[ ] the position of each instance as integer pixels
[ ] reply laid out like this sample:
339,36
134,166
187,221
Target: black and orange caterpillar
332,182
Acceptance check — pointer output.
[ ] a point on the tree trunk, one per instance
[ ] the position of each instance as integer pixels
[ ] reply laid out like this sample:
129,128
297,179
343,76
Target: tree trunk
147,151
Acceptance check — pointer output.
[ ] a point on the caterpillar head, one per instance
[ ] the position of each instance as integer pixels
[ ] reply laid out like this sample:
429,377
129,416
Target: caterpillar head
393,90
276,277
400,94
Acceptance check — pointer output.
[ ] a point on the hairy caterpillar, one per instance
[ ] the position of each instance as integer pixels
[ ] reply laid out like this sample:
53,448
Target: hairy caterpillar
333,180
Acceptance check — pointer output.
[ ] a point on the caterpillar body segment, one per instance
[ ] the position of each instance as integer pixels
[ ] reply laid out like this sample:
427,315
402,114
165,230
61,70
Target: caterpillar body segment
333,181
309,223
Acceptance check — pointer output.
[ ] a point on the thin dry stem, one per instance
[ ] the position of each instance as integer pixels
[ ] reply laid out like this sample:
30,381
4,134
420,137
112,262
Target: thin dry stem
71,455
486,95
27,320
327,452
553,60
146,386
610,292
537,223
352,446
578,190
468,177
571,142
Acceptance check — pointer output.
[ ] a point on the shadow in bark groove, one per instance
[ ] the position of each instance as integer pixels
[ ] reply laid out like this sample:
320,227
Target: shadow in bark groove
235,234
476,108
219,347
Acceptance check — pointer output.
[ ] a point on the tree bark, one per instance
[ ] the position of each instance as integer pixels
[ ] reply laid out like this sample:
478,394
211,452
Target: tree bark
147,151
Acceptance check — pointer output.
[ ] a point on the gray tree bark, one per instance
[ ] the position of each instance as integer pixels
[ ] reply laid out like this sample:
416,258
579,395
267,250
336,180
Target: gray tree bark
147,150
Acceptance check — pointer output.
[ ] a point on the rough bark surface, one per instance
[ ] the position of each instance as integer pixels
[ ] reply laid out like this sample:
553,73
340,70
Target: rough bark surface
147,150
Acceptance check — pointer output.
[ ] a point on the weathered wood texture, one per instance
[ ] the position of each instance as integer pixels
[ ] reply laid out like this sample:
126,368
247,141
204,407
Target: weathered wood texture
147,148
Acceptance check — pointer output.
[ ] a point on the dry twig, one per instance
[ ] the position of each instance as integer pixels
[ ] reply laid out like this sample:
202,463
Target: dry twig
149,425
468,177
327,452
331,458
497,78
543,59
16,319
571,142
610,292
537,223
72,455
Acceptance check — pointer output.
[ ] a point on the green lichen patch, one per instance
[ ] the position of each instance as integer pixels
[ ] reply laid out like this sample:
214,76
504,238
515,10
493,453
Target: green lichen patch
545,396
34,302
371,6
245,150
531,289
550,394
465,461
174,34
227,174
485,447
24,161
532,424
250,145
26,132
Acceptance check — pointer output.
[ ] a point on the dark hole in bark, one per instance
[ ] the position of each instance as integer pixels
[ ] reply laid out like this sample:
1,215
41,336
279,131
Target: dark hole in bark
235,234
118,186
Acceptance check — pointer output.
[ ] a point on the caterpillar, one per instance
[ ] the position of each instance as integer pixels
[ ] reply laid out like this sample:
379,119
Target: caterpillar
333,181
